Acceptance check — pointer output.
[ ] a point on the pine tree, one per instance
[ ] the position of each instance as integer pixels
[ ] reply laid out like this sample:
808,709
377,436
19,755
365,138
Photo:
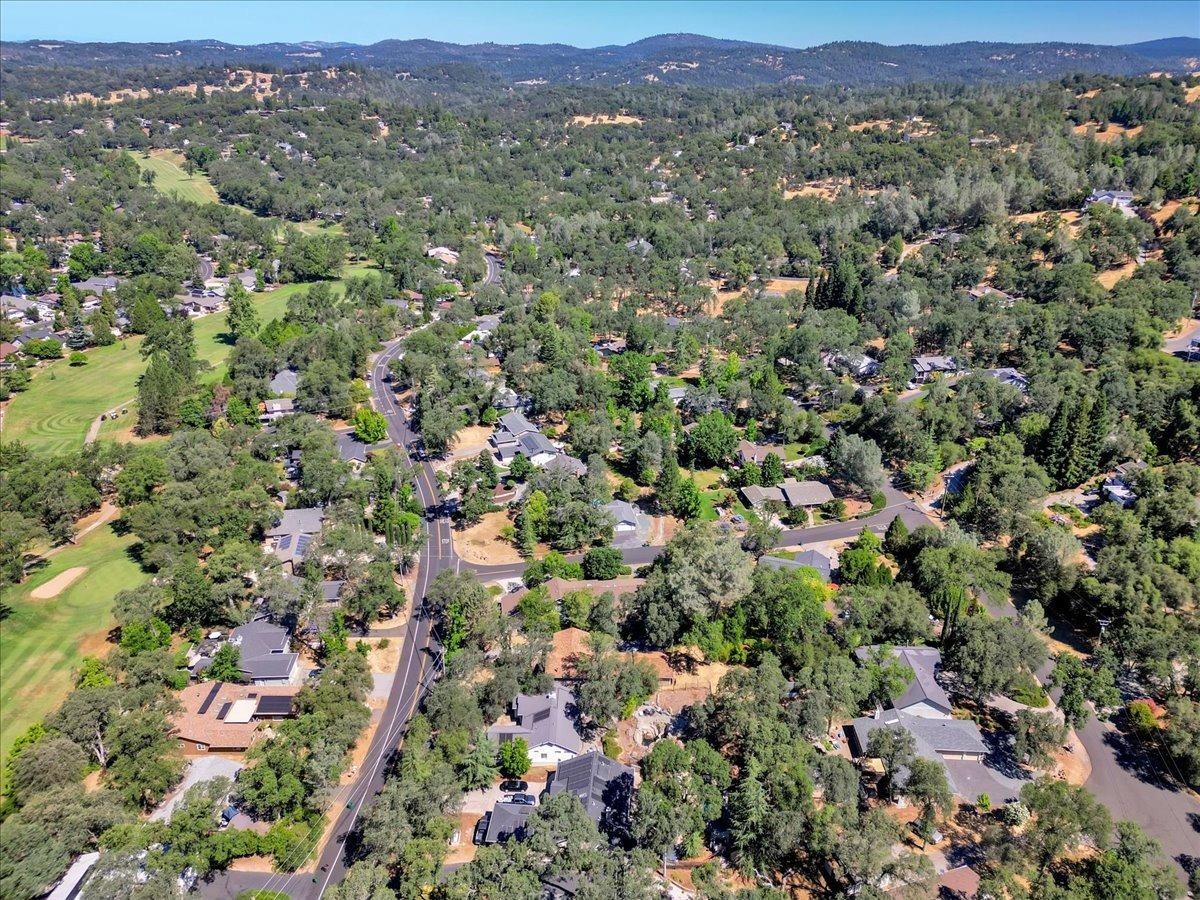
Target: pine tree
666,486
1056,443
160,393
1079,457
895,539
78,338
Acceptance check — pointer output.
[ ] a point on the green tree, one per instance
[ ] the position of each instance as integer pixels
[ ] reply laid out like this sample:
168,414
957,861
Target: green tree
242,318
226,664
514,758
370,427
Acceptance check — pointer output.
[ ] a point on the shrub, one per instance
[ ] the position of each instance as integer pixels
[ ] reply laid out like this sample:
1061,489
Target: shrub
1142,718
78,358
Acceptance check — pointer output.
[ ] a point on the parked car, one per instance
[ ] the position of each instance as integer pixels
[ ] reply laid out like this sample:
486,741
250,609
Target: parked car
523,799
514,786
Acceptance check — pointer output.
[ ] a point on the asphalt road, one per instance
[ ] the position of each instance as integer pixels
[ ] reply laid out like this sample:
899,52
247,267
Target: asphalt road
205,269
415,672
1179,346
493,268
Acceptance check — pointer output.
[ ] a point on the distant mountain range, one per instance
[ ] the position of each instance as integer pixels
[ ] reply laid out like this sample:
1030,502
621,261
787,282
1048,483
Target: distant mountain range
677,59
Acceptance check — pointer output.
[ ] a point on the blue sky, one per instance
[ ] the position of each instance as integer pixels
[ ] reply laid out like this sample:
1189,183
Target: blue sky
590,24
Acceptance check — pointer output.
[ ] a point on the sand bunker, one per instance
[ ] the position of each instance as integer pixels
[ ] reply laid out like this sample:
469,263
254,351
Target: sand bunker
57,584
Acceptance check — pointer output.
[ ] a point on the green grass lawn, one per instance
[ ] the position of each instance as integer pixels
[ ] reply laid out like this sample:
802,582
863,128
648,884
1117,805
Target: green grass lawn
170,177
54,414
42,641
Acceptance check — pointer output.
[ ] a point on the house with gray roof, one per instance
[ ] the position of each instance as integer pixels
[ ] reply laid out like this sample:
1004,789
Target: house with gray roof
276,409
805,559
506,820
1121,201
925,367
285,382
354,451
624,515
1010,376
603,786
265,653
924,711
924,695
756,453
546,722
537,448
289,539
509,430
96,284
805,493
563,462
756,497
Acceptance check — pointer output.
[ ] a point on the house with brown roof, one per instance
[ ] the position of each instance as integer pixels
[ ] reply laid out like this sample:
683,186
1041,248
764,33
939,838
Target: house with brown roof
757,453
558,588
218,716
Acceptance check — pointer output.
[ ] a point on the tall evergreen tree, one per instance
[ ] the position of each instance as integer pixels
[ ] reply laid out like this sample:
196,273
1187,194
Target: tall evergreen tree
160,393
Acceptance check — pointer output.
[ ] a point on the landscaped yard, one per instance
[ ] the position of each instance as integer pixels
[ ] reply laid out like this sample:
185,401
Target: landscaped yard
42,640
171,178
54,414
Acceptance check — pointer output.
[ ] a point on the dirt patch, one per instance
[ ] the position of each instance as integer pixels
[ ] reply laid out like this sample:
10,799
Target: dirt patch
58,583
605,119
93,781
359,753
1193,94
482,544
824,189
464,851
253,864
1068,217
1109,134
470,441
384,660
1088,95
1110,277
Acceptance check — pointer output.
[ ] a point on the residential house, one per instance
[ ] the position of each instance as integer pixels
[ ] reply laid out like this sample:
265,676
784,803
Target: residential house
546,723
805,559
757,453
485,326
354,451
444,255
924,711
991,294
1118,487
676,395
789,492
247,277
290,538
624,515
1009,376
34,334
276,409
640,246
96,284
506,437
604,787
925,367
857,365
285,382
563,462
805,493
1122,201
506,820
217,716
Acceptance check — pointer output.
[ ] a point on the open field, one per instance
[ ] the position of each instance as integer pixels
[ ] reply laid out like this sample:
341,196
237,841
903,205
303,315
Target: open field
42,641
170,177
604,119
54,414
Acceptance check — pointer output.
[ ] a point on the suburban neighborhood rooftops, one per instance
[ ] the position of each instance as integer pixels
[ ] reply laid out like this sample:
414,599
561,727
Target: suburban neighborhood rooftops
749,452
623,513
600,783
351,449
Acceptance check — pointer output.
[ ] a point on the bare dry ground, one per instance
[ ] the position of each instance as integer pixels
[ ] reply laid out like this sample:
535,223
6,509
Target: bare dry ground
1110,134
605,119
482,544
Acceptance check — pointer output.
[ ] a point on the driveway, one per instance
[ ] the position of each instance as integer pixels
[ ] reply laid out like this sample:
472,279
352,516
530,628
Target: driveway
201,769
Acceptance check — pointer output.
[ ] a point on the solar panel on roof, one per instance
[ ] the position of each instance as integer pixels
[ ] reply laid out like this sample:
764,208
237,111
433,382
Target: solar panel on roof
224,710
274,706
212,695
302,543
285,541
541,715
